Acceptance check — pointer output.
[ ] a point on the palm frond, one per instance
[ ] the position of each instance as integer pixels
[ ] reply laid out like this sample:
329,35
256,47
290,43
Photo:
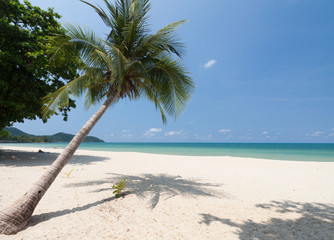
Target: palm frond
170,28
130,62
173,85
85,41
60,98
101,13
164,40
152,95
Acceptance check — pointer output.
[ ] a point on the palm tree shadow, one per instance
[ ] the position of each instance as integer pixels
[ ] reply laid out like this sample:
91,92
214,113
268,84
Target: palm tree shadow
32,159
36,219
208,219
159,186
147,185
316,221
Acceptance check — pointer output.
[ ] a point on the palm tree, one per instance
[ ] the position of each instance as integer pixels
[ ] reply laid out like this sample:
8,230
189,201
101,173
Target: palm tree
129,63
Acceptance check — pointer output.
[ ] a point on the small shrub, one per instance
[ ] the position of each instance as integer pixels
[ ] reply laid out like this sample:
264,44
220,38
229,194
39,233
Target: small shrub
69,173
119,187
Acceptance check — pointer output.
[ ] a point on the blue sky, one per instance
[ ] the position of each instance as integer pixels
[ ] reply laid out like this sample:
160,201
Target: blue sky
264,72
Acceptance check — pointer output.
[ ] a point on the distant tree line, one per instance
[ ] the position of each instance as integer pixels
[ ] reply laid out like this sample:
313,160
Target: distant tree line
15,135
24,139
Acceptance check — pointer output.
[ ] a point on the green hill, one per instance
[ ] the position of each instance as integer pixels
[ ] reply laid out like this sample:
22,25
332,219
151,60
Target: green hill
16,132
16,135
65,137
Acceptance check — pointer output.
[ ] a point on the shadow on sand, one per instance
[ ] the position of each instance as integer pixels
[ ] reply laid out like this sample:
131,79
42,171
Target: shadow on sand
32,159
159,186
316,221
146,185
36,219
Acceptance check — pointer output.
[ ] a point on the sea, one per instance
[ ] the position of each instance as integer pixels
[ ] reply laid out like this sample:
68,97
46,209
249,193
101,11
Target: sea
316,152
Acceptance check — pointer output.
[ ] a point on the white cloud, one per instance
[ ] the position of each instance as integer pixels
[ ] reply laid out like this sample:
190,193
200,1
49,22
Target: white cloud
126,135
224,130
331,134
210,63
173,133
201,137
317,134
265,133
152,131
155,130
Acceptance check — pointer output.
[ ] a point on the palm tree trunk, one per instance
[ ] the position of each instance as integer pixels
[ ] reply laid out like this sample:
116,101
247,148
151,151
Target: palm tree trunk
14,218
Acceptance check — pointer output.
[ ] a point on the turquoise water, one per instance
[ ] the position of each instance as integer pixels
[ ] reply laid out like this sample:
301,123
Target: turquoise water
320,152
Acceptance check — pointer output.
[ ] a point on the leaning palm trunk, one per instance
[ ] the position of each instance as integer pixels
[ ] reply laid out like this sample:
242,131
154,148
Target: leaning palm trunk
14,218
129,63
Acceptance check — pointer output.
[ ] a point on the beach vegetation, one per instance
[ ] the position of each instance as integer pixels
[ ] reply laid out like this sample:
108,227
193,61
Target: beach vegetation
15,135
27,71
68,174
119,187
128,63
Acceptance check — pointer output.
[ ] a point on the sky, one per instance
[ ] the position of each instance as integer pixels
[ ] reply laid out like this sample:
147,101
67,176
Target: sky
263,69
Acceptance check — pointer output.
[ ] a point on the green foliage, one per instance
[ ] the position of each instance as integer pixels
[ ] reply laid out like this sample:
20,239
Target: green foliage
69,173
16,132
24,139
16,135
129,63
120,186
4,134
65,137
27,74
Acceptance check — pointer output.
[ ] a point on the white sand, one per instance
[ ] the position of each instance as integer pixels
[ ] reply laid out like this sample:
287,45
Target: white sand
172,197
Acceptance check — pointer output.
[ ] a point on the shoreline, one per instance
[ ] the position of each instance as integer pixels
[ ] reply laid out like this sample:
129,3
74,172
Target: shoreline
321,153
171,196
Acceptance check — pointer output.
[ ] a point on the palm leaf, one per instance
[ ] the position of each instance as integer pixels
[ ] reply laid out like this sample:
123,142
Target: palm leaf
130,62
60,98
101,13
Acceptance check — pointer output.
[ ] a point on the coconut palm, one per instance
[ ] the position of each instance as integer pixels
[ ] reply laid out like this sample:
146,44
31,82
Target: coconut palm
129,63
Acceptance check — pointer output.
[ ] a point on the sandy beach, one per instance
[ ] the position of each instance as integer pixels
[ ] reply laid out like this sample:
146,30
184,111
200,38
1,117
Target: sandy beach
171,197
